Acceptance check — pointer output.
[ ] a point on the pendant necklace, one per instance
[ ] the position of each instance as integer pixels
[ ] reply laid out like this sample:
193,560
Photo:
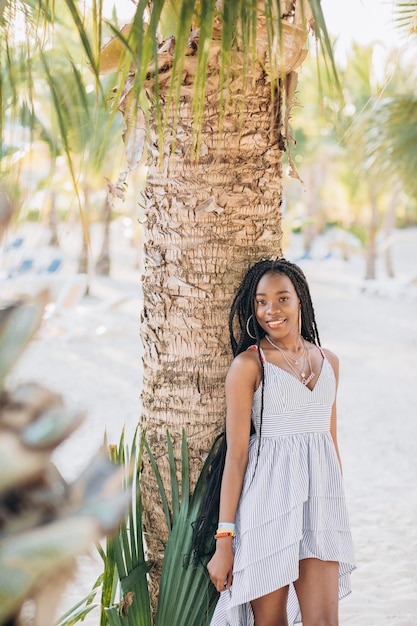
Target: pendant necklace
293,364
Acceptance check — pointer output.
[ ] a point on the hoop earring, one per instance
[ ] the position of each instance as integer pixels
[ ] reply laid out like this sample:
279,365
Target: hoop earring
247,327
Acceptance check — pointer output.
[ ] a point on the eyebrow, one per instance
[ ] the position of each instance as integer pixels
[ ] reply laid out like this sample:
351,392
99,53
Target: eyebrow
258,293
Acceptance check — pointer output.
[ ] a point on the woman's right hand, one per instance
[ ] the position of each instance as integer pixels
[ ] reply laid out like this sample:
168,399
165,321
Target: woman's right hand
220,566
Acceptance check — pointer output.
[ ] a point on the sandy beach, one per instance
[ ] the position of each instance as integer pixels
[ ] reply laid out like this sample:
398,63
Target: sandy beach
92,358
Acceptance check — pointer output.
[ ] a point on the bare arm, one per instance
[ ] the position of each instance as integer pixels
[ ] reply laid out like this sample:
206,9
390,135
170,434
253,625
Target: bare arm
241,382
334,362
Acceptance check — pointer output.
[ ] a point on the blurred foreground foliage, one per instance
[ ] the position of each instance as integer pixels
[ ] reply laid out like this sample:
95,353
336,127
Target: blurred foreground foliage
46,522
186,596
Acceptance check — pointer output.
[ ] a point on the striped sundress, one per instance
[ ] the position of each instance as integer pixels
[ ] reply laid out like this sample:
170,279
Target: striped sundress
292,504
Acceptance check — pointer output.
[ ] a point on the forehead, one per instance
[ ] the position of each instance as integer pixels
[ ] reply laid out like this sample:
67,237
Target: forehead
276,283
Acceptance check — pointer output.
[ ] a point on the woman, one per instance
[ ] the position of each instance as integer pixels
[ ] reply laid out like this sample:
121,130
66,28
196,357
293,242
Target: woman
283,545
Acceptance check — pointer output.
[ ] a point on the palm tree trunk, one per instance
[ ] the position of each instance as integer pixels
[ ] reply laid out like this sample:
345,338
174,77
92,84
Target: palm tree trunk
371,249
389,223
103,262
207,221
311,226
53,221
84,258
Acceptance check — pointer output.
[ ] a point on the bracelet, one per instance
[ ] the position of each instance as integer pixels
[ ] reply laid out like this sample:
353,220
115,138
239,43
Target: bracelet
226,526
224,533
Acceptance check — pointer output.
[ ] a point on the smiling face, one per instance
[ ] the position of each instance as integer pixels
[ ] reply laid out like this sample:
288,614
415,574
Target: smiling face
277,305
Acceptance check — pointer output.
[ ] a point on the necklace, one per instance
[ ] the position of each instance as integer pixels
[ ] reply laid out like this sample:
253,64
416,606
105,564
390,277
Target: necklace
293,364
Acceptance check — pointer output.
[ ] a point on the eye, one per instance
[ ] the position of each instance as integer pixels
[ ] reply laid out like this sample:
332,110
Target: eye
284,299
261,302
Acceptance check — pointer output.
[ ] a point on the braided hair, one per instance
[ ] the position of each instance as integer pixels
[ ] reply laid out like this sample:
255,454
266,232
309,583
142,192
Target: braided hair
244,331
243,306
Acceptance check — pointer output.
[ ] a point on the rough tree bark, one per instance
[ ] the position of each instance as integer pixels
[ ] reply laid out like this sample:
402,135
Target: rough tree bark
207,221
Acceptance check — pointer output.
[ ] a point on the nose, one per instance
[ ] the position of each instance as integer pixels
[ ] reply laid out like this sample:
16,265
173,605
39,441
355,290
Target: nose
274,307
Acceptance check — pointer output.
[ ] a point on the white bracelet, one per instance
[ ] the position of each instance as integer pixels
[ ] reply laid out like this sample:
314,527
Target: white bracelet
226,526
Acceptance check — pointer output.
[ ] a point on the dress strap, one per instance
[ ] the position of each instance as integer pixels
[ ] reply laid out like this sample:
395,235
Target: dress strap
255,347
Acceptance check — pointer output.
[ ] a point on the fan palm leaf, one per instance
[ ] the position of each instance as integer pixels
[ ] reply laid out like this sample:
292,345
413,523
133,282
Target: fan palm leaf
126,550
158,40
406,15
186,595
390,141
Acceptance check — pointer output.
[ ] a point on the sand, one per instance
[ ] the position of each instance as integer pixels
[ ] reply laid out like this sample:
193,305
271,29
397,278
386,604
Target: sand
93,359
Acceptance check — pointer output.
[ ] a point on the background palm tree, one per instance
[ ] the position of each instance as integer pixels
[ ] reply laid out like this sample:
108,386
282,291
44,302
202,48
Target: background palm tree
356,156
54,101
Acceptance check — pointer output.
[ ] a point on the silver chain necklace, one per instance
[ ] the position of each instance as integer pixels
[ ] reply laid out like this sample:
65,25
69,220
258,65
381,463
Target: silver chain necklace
293,364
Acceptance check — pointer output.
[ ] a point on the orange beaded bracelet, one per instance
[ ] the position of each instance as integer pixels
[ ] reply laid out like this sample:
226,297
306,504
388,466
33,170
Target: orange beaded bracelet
224,533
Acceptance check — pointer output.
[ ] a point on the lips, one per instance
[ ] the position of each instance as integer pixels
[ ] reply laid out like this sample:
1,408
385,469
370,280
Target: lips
275,323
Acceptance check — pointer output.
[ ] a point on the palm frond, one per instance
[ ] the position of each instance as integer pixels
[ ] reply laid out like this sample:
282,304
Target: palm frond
390,139
186,595
63,114
128,548
322,35
405,15
235,26
79,611
162,492
175,495
84,35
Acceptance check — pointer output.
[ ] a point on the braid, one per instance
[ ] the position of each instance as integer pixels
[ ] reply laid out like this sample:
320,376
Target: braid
243,307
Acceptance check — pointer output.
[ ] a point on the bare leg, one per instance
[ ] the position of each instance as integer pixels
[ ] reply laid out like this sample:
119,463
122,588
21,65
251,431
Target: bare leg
318,592
271,610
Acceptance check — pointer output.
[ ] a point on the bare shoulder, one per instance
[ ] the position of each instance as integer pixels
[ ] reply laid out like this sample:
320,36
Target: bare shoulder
333,360
247,360
246,367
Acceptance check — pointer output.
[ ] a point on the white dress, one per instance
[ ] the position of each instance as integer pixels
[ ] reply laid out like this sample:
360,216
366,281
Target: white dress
292,504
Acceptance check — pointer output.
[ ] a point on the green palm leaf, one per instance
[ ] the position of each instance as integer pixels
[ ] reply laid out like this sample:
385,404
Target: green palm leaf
80,610
127,547
186,595
405,15
84,36
162,492
18,324
390,138
175,497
